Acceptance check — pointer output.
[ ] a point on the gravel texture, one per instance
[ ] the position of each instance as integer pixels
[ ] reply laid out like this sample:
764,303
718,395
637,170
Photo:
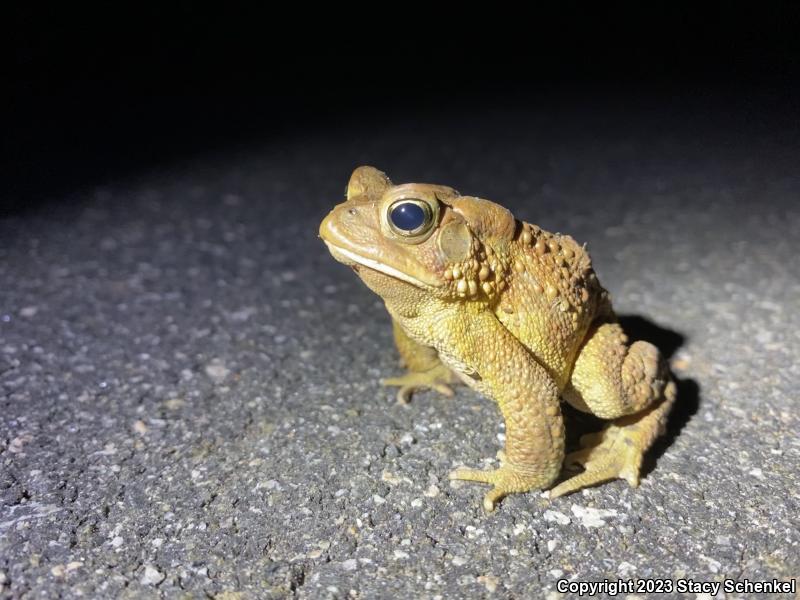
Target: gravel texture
190,403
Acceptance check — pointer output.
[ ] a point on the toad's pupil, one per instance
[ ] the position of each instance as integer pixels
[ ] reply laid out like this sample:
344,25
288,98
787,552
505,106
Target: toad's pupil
408,216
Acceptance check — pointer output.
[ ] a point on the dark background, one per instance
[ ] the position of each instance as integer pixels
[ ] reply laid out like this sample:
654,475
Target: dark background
102,91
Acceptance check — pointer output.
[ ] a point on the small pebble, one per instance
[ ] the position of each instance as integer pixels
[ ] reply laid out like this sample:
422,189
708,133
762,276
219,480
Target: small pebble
407,439
489,582
556,517
174,403
432,491
217,370
152,576
350,564
58,571
28,312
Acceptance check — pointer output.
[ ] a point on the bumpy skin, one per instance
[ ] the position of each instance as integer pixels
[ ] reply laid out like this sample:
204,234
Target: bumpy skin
516,313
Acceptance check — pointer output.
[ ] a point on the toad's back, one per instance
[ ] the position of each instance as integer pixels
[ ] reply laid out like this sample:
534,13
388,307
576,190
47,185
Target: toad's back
552,297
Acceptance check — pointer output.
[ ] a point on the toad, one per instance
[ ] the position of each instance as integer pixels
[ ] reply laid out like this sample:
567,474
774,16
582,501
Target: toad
515,312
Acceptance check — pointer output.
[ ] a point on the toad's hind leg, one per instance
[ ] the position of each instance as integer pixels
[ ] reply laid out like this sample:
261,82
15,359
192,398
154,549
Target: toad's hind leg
630,384
425,370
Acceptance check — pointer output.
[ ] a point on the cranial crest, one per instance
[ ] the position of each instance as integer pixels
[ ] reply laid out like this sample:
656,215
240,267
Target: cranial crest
486,218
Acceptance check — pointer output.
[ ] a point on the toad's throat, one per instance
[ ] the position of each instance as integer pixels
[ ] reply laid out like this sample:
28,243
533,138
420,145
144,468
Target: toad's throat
350,258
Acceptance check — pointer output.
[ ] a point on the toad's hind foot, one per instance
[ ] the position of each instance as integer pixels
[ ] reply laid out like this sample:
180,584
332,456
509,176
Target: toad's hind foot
611,454
438,378
617,451
508,479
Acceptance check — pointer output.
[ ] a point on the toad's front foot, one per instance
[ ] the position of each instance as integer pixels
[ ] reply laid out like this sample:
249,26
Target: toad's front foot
438,378
508,479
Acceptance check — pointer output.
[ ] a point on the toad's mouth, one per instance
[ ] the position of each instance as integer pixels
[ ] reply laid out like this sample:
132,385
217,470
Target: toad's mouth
354,260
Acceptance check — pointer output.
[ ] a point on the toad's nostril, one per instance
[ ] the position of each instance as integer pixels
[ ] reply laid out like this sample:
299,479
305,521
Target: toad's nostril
351,211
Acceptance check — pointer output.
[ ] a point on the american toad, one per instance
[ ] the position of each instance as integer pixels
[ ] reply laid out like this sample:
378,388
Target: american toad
516,313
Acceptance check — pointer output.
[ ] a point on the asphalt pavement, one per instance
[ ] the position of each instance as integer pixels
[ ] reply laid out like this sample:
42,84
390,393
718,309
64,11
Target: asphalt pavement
190,398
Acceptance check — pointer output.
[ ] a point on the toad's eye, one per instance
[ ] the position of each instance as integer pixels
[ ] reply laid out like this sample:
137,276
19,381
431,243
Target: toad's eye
410,217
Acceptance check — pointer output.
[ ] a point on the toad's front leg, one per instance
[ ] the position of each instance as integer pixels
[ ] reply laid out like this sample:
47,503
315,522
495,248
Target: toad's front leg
425,370
529,401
